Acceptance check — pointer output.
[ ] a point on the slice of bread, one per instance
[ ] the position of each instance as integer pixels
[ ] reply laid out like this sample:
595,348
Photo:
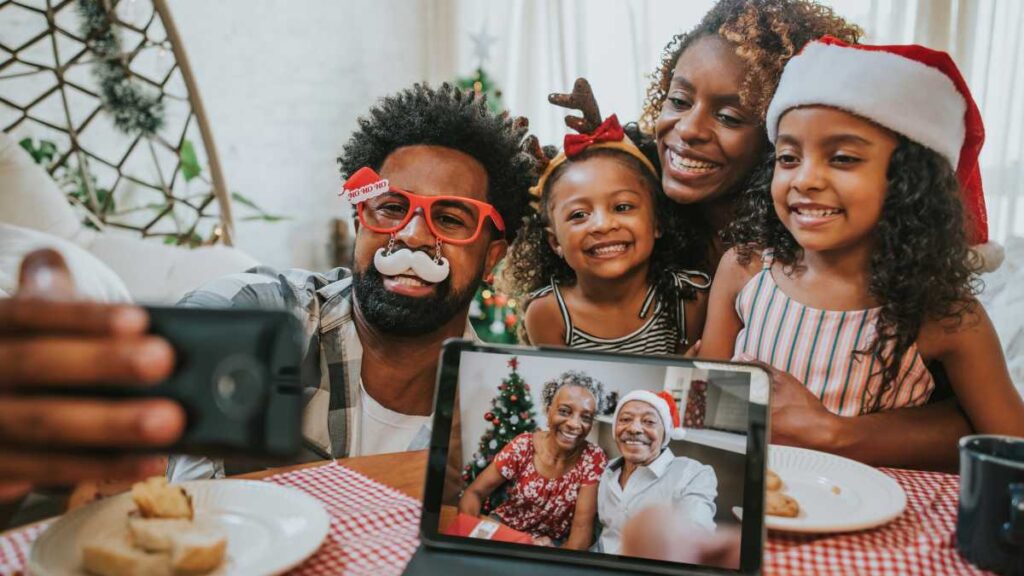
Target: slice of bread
119,558
156,534
198,550
155,498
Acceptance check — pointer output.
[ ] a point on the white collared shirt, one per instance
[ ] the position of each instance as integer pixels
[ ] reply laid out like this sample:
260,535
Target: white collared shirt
681,482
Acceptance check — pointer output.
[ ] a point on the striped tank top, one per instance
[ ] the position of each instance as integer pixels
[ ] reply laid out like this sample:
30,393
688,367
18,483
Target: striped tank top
818,348
660,335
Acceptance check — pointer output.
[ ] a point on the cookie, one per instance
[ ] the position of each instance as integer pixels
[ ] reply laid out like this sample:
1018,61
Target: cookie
772,481
779,504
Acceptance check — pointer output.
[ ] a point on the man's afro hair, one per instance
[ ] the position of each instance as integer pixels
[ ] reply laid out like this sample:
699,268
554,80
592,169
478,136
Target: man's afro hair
450,117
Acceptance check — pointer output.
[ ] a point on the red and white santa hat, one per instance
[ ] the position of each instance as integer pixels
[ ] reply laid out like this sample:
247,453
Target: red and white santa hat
910,89
666,407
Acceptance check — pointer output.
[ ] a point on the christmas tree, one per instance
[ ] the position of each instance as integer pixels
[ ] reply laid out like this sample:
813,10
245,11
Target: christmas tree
510,415
481,83
493,314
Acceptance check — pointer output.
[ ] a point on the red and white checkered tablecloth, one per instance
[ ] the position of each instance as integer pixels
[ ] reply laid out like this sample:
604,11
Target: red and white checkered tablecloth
374,530
920,542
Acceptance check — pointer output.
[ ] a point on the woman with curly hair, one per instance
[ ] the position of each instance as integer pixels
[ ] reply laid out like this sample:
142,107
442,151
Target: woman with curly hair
706,105
854,269
553,473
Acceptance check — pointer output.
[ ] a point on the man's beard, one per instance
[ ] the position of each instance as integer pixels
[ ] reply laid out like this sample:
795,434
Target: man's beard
402,315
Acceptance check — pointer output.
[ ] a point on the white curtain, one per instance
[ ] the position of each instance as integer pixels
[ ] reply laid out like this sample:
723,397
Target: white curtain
541,46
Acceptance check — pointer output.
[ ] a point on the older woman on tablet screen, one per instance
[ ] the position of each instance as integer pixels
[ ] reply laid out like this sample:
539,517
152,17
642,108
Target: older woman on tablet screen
553,473
648,473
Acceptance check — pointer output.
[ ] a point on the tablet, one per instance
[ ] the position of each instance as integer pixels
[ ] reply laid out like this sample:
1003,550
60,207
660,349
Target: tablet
612,461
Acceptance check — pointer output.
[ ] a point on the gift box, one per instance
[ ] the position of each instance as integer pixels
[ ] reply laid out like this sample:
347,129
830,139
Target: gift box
473,527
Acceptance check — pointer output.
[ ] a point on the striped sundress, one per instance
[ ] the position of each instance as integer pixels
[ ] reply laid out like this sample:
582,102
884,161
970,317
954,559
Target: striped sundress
660,335
818,348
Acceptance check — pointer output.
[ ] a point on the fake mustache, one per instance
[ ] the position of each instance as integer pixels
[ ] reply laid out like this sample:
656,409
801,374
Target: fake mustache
405,260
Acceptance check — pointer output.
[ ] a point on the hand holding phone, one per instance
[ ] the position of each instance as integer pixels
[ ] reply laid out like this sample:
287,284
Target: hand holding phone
48,340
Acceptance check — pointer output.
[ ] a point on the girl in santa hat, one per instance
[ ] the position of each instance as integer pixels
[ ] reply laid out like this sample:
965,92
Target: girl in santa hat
857,274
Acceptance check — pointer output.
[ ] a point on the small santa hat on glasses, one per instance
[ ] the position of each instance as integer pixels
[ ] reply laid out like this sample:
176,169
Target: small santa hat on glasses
910,89
666,407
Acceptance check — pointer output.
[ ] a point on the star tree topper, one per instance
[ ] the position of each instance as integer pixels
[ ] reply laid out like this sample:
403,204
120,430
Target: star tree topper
482,42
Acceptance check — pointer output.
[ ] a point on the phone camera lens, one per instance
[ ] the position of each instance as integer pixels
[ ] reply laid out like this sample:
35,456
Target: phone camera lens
238,386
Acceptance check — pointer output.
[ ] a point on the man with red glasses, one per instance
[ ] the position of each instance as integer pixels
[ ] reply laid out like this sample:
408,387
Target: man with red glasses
448,188
438,186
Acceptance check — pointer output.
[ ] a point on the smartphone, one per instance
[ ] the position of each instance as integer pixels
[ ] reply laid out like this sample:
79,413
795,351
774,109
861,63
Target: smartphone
237,375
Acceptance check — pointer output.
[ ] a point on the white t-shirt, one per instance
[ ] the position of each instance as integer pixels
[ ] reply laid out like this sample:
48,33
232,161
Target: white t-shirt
378,431
382,431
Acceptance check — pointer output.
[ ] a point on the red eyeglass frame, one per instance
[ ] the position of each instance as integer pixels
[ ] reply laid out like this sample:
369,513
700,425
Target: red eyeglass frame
417,201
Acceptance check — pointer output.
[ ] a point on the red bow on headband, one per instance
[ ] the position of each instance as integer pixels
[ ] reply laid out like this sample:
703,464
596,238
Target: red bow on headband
609,131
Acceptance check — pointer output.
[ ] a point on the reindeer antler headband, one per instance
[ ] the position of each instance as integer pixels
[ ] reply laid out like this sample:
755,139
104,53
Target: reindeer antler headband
593,134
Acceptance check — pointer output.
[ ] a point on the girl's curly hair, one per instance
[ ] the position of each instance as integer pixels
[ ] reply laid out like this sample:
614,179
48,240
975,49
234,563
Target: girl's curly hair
531,263
921,268
574,378
766,34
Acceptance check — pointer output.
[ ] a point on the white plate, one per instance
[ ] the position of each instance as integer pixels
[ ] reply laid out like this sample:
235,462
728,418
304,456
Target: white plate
270,528
835,494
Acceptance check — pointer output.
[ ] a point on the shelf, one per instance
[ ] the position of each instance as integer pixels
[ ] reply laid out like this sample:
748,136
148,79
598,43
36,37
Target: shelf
730,441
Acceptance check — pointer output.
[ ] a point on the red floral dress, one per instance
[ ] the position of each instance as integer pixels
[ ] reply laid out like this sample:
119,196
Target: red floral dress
543,506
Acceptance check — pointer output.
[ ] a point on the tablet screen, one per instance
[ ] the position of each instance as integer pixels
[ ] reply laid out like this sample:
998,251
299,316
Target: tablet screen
609,457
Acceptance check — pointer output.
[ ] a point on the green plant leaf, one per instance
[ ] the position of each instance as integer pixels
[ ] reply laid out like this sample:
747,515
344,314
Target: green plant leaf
189,163
41,154
265,218
237,197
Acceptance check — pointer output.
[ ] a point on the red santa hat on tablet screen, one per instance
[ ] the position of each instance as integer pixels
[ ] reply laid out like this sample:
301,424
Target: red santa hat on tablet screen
666,407
913,90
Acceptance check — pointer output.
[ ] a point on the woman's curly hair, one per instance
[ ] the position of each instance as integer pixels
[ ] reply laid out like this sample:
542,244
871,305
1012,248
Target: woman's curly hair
574,378
922,267
766,34
449,117
531,263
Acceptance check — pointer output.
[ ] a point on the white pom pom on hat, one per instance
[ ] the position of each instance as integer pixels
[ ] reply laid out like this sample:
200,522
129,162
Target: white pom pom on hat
664,404
912,90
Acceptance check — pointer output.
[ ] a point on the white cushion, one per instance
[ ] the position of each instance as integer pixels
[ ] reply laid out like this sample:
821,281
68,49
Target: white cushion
159,274
92,278
28,195
1004,301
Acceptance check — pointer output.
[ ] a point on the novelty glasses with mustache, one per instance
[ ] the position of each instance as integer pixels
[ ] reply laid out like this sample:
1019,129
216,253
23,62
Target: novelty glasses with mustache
385,209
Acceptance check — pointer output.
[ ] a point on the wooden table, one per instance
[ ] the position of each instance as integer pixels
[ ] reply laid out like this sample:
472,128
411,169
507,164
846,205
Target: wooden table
403,471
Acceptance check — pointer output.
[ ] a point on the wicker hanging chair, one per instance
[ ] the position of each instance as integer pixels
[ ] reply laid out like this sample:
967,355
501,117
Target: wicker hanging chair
151,183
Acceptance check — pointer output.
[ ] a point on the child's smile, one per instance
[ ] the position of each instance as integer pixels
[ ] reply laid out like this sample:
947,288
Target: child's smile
607,250
830,179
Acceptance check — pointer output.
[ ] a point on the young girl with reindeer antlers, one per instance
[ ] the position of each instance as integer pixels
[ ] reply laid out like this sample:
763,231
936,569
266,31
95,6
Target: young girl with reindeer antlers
598,260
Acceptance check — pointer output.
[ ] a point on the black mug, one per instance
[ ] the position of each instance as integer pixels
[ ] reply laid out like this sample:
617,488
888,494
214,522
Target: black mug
990,525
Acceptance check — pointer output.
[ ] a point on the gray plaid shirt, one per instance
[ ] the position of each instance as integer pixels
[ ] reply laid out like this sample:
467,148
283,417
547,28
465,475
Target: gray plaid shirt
333,357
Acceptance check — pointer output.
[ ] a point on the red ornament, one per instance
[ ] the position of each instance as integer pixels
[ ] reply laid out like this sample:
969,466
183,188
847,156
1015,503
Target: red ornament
513,398
489,416
488,302
526,387
500,299
511,319
489,279
524,416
